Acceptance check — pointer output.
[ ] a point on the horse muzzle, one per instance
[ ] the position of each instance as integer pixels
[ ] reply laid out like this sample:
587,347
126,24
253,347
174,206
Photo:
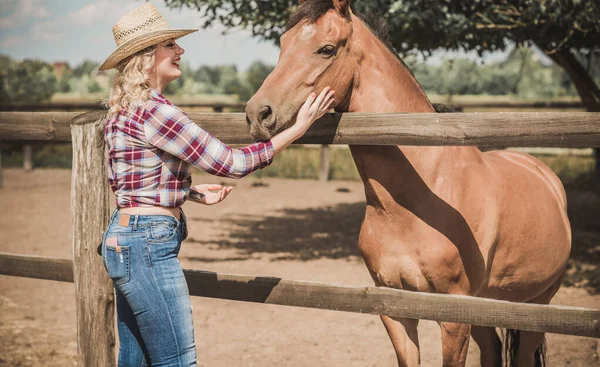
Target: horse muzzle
262,120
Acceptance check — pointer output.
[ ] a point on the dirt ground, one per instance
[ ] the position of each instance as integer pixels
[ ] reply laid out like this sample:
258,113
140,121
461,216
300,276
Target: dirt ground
293,229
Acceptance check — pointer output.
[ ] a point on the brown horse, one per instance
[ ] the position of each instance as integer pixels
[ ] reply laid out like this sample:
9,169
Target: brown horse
438,219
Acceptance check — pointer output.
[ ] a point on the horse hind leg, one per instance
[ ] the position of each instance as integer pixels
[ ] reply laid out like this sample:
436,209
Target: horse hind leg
528,348
490,345
524,348
455,344
405,339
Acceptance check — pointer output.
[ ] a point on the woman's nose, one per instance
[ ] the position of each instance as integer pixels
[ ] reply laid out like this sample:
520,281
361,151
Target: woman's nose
181,50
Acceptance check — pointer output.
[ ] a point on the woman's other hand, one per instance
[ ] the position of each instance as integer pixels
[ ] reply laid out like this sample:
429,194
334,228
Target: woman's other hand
209,194
313,108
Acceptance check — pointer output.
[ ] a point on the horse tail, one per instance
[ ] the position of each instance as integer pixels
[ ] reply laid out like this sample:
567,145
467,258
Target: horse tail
511,347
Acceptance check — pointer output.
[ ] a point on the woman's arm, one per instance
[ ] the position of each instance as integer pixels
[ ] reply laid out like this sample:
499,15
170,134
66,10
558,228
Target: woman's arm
169,129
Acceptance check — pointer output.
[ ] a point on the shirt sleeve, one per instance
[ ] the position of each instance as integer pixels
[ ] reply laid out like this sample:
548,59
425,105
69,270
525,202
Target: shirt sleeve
169,129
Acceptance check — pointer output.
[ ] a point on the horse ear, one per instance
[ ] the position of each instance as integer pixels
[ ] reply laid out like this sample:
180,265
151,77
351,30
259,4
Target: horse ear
342,6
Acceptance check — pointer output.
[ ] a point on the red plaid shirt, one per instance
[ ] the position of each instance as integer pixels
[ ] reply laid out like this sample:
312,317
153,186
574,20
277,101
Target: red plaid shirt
151,150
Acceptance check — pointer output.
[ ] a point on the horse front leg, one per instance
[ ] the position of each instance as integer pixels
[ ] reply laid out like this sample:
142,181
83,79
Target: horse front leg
405,339
455,344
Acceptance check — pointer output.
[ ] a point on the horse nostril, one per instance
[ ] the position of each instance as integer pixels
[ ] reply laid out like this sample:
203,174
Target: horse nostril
264,114
248,120
266,117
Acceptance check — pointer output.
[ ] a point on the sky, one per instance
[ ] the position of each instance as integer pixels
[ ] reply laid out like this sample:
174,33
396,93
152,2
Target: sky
76,30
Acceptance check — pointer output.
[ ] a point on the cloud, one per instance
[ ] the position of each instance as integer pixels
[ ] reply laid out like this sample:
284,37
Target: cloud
12,41
98,11
24,11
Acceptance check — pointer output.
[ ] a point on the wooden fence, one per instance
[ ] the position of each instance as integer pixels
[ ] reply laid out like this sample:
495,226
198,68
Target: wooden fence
90,215
325,163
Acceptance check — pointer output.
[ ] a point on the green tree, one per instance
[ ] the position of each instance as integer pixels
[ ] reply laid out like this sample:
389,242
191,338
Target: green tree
231,83
567,30
28,81
5,64
87,67
208,74
256,74
64,85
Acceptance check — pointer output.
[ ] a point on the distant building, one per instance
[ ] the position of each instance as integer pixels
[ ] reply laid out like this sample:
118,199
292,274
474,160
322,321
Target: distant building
60,68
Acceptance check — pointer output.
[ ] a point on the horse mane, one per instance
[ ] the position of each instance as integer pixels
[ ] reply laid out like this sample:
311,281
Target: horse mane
311,10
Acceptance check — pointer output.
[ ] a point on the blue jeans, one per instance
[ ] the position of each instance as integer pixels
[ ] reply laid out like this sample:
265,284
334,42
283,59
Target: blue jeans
154,311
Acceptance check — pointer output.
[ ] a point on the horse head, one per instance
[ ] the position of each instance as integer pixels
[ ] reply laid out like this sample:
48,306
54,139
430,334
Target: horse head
315,53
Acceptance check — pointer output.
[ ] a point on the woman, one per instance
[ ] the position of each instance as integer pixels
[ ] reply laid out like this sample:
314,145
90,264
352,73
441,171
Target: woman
151,147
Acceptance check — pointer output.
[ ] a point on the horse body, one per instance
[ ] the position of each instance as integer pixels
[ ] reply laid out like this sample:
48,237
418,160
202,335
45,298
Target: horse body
438,219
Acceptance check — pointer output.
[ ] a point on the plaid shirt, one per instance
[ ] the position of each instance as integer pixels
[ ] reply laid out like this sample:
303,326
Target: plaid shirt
152,148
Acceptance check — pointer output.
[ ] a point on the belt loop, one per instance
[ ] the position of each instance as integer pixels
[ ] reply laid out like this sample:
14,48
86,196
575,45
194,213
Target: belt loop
135,220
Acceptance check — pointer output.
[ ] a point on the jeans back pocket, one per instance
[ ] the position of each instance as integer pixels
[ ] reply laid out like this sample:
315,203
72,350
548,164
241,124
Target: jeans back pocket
117,263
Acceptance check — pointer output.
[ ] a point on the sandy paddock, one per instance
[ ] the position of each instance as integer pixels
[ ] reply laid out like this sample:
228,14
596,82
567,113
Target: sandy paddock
293,229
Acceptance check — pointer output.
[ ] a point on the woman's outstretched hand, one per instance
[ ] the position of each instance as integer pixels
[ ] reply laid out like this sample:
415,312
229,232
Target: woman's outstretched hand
313,108
209,194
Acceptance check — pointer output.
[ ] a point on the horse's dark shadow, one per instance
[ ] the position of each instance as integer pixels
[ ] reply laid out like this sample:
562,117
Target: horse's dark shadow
583,269
295,234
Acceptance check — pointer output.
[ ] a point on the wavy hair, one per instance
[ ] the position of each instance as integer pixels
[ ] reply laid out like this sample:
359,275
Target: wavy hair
130,86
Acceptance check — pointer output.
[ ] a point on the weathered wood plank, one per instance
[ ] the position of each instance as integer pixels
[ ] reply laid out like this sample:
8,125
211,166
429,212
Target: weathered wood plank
325,163
60,270
519,129
27,157
90,216
36,126
398,303
386,301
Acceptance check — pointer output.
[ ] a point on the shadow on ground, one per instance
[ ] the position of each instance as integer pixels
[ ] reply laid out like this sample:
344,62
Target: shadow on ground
296,234
583,269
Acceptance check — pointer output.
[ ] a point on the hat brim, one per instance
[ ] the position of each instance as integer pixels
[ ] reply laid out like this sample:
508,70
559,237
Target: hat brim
139,43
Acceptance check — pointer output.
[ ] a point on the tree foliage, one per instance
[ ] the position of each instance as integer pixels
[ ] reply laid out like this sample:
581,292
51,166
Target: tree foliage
427,25
26,81
567,30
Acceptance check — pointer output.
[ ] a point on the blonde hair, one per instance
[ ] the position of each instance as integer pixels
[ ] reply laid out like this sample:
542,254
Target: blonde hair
130,87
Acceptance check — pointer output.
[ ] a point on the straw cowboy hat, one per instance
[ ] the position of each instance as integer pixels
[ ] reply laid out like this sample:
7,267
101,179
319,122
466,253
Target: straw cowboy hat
135,31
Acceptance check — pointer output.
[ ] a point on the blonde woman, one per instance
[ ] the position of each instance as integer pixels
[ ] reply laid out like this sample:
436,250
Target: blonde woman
152,145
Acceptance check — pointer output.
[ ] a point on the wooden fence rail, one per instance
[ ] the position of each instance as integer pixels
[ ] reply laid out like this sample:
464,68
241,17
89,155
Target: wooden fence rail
369,300
522,129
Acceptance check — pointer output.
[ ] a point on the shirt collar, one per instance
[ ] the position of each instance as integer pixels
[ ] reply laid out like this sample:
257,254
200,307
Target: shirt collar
158,97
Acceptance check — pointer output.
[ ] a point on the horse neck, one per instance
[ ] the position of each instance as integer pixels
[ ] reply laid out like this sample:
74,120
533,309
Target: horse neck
383,84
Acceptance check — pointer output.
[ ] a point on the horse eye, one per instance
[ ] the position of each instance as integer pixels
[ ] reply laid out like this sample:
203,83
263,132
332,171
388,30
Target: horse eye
328,50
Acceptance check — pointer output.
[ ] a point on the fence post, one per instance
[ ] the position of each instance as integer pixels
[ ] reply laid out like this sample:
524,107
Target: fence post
27,164
324,169
90,195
